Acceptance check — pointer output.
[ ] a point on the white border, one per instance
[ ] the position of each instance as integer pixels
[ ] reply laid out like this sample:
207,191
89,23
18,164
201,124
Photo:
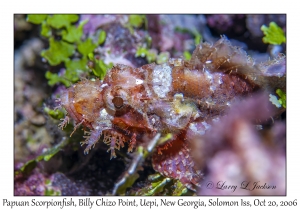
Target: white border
154,6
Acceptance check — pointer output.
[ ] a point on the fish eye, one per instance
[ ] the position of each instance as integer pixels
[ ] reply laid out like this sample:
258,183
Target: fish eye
118,102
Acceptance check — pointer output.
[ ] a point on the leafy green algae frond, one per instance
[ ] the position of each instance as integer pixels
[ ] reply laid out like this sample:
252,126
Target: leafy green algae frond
273,34
72,50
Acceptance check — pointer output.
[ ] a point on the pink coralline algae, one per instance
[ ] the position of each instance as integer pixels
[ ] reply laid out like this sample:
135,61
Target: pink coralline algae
33,185
240,158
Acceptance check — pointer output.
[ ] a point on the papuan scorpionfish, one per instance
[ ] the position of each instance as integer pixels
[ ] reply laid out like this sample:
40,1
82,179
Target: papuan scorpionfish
180,97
